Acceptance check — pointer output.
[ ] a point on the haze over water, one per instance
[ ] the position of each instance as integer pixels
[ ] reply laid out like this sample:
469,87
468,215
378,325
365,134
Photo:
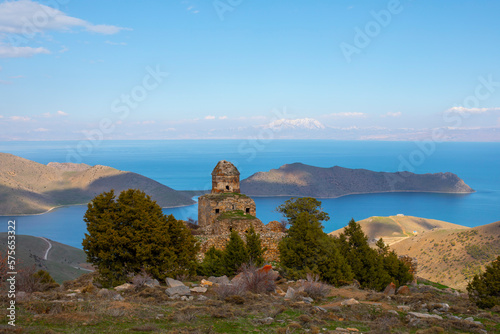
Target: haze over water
187,164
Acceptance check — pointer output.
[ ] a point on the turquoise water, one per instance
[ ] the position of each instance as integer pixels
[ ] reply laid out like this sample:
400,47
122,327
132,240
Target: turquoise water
187,164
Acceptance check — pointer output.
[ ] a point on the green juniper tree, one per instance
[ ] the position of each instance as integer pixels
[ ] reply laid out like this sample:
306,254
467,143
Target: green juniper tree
254,247
131,233
367,265
212,264
235,254
484,289
306,248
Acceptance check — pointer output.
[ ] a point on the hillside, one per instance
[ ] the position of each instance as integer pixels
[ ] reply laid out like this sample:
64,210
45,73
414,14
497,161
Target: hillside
27,187
397,228
303,180
63,261
451,256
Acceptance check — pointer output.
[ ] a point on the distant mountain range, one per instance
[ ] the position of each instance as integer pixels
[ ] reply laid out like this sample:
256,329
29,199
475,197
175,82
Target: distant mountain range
298,179
27,187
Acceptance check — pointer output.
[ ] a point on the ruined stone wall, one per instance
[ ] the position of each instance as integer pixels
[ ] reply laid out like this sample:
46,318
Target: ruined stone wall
225,184
223,226
270,240
211,206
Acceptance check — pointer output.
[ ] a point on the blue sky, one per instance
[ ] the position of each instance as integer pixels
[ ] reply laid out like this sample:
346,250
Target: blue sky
70,68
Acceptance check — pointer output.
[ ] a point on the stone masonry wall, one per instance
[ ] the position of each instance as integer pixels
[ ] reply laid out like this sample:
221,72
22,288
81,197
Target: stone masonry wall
211,206
270,240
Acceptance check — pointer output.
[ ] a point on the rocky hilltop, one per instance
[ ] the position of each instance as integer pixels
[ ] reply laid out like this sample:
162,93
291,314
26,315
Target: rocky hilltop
27,187
304,180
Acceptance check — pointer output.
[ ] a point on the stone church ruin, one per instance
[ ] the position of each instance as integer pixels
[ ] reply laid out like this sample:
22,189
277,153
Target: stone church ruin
225,209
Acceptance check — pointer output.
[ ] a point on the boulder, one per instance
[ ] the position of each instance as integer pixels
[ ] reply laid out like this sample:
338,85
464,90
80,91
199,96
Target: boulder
290,293
349,302
219,280
265,321
180,290
403,290
199,289
172,283
124,287
307,299
390,289
204,282
425,315
118,297
152,283
403,308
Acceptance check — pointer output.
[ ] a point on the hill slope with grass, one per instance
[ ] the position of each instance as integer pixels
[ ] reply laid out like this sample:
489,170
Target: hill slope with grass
303,180
63,262
396,228
452,256
27,187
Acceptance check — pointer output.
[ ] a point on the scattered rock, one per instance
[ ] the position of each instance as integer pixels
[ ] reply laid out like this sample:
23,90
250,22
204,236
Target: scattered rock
201,298
219,280
307,299
440,307
71,294
290,293
152,283
319,308
425,315
349,302
124,287
180,290
352,329
104,293
390,289
172,283
265,321
393,312
403,290
403,308
199,289
185,298
118,297
206,283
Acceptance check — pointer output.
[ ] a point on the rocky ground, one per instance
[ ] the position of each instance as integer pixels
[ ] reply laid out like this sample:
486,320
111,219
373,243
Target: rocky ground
213,306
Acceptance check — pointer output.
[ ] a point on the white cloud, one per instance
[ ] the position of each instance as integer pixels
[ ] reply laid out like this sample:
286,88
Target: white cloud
392,114
7,51
348,114
41,130
463,110
29,17
22,20
209,117
223,117
148,122
20,118
63,49
62,113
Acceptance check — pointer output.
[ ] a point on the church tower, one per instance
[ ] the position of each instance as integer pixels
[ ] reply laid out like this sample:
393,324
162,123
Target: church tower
225,178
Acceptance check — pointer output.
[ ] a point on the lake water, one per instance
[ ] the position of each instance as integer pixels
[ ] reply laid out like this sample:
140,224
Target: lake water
187,164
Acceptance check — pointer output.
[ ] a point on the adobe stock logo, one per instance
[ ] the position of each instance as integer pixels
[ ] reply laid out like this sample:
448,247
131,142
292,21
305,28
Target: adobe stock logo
363,37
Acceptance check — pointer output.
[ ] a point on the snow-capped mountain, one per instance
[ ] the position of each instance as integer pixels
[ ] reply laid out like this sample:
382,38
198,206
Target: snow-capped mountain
299,123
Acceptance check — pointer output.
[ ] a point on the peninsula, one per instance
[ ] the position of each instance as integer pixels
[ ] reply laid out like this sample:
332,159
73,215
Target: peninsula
298,179
28,187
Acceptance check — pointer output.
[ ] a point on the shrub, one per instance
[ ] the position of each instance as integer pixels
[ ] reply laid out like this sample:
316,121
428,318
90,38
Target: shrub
226,290
212,263
30,280
314,288
255,280
484,289
140,279
235,254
